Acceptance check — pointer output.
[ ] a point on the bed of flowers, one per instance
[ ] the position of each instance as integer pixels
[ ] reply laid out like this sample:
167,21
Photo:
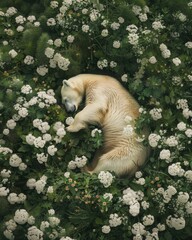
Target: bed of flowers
43,193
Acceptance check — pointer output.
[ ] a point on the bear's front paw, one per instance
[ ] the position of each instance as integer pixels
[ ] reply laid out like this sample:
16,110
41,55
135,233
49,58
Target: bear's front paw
71,129
75,127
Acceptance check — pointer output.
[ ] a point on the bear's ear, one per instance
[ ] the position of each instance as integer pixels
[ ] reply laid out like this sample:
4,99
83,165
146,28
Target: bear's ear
65,83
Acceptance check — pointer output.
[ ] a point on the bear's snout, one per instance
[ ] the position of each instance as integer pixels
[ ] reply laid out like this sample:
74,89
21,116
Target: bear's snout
70,107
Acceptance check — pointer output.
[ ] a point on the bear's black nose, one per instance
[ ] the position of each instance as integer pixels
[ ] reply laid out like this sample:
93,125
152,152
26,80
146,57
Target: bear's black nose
70,108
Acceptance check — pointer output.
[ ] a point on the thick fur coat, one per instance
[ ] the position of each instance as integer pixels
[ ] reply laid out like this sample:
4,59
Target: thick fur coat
107,104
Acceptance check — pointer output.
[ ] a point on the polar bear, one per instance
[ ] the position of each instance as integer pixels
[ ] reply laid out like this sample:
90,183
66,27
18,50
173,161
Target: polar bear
107,104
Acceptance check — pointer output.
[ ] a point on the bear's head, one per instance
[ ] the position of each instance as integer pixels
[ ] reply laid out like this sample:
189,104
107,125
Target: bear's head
71,96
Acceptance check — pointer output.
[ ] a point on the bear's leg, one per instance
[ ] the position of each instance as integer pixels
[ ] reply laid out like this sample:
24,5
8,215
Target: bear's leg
91,114
120,160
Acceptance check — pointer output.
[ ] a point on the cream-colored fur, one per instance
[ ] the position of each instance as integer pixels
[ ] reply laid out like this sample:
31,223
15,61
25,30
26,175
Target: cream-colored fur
107,104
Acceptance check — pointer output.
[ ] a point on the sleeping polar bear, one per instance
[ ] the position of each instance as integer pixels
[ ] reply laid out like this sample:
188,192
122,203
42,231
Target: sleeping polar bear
107,104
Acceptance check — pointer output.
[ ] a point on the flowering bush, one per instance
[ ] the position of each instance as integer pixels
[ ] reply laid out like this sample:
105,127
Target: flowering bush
43,194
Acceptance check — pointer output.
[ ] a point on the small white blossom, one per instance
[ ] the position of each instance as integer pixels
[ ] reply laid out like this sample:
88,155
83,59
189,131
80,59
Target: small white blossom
106,229
105,178
13,53
21,216
176,61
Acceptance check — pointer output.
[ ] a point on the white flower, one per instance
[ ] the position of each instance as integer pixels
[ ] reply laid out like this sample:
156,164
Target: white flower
61,132
182,104
181,126
31,18
113,64
40,184
11,11
124,78
188,44
69,120
152,60
31,220
13,198
148,220
51,22
85,28
171,141
11,124
23,112
133,38
51,211
134,209
115,26
5,173
188,133
26,89
41,158
44,225
188,207
42,70
165,154
70,38
176,61
30,139
34,233
114,220
4,191
157,25
138,228
183,197
57,42
175,222
116,44
54,221
106,229
15,160
21,216
154,139
136,9
9,234
141,181
104,33
31,183
132,28
22,166
67,174
156,113
175,169
105,178
108,196
63,63
6,131
145,205
20,19
102,63
143,17
13,53
49,52
166,53
11,225
94,131
54,4
52,150
50,189
39,142
20,29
